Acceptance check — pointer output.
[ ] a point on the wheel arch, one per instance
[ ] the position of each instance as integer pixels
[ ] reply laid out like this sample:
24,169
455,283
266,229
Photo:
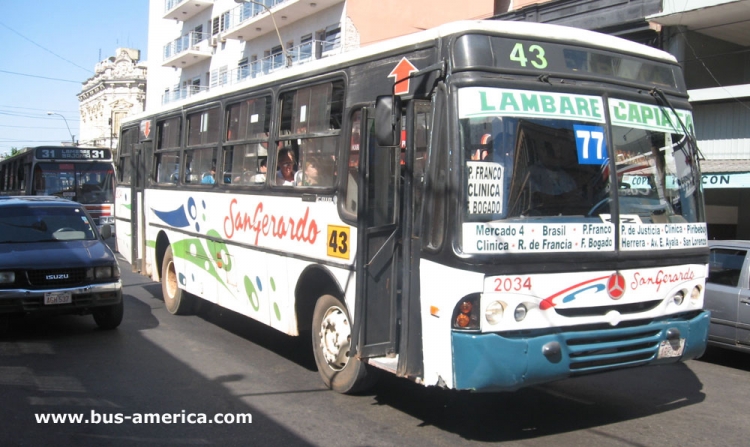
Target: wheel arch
314,282
162,242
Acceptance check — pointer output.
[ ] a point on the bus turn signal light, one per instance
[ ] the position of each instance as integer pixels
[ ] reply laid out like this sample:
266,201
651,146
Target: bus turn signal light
466,313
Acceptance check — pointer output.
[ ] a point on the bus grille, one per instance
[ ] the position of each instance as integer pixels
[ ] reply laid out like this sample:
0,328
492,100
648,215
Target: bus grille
616,348
623,309
56,277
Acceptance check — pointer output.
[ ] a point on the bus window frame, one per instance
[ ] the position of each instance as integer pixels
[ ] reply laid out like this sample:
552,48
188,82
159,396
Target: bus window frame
161,151
246,141
294,137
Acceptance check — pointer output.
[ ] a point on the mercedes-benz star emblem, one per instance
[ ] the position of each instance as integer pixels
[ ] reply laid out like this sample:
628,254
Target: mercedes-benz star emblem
616,286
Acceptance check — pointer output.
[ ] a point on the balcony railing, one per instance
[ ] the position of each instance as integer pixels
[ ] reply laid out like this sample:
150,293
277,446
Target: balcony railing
184,9
301,54
182,93
187,50
249,20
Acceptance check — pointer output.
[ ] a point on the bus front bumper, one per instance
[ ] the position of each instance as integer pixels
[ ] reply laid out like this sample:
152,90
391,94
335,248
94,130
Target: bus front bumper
492,362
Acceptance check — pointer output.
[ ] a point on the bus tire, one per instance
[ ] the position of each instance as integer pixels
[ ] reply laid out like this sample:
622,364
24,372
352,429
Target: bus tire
176,300
108,317
331,337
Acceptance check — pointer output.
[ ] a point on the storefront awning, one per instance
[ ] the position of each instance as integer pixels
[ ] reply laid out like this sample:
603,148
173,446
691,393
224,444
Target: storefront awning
725,173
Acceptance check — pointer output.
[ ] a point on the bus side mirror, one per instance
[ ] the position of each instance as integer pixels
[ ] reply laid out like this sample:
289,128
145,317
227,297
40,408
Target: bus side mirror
388,120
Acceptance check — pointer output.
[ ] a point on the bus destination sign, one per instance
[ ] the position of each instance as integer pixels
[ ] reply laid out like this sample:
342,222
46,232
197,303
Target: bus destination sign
72,153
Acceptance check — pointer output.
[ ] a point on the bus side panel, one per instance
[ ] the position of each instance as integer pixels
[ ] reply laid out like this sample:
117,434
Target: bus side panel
442,294
247,284
243,252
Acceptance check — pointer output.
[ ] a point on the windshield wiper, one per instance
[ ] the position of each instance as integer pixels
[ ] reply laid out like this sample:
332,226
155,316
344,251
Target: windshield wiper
661,97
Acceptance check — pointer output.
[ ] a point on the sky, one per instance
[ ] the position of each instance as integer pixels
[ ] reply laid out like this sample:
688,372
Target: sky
48,49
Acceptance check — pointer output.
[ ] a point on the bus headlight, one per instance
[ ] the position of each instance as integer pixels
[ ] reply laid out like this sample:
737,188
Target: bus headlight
494,312
696,293
520,312
679,297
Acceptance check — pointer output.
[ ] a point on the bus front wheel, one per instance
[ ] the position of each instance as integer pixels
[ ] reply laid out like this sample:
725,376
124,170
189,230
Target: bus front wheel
331,338
176,300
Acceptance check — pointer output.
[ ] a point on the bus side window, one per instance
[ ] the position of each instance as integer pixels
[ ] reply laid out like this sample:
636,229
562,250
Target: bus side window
351,186
167,167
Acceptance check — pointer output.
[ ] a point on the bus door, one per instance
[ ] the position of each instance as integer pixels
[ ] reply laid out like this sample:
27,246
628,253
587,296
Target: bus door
137,216
392,180
378,252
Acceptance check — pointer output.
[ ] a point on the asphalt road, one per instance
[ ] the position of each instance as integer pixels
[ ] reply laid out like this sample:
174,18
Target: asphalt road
217,362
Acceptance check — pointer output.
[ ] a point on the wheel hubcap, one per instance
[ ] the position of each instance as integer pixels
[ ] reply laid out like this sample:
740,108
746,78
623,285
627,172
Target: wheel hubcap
335,338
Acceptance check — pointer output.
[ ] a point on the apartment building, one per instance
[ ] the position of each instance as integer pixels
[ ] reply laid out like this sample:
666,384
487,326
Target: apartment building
199,45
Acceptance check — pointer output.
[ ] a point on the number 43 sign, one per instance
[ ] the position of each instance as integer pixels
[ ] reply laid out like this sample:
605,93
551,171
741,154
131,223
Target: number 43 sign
591,144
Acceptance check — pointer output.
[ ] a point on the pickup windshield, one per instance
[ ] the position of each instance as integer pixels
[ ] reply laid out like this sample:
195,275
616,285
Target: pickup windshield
26,224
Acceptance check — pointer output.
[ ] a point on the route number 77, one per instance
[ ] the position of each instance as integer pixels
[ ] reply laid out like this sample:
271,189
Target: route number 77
591,144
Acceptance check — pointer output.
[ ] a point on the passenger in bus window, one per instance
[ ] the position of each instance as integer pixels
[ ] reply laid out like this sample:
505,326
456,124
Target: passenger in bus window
209,178
484,149
318,171
260,177
286,167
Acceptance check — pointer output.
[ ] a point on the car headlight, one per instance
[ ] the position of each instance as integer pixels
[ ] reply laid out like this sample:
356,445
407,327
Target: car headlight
7,277
106,272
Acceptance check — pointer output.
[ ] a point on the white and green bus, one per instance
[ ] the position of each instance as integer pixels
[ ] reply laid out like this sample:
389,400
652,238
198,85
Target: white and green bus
484,205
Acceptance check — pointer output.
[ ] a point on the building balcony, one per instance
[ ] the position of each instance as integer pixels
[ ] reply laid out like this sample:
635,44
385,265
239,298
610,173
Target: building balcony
189,49
301,54
182,93
184,9
249,20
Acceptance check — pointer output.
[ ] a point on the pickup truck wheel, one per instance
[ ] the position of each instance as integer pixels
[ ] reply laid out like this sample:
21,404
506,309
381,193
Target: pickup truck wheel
108,317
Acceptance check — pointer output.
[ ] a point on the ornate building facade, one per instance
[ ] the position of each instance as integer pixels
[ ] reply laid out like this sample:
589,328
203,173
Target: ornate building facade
117,90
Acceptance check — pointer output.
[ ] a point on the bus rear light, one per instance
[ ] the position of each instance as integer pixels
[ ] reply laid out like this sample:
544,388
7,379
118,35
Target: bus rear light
494,312
466,313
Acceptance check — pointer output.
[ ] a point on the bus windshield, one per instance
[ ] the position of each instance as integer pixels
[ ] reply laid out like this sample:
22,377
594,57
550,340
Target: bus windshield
526,166
86,183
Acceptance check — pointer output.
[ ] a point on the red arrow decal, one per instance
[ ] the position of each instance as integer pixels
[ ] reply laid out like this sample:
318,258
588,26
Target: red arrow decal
403,69
146,128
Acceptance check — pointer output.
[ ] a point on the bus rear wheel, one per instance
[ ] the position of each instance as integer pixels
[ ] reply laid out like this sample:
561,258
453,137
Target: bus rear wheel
331,339
176,300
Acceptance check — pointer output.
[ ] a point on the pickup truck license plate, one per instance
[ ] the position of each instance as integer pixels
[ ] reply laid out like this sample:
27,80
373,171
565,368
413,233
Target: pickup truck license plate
57,298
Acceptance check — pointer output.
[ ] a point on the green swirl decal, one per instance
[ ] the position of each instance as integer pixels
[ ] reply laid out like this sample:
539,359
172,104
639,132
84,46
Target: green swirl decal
252,294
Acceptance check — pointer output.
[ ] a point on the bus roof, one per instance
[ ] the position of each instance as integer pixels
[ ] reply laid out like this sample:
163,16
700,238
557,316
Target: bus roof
542,31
